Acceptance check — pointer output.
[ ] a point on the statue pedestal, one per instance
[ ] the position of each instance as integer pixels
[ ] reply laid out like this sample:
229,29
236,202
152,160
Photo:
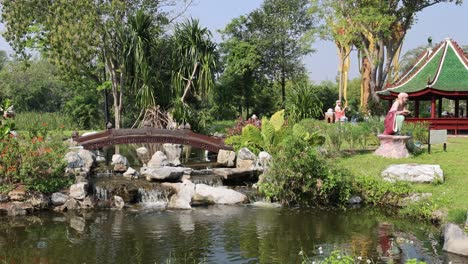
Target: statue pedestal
392,146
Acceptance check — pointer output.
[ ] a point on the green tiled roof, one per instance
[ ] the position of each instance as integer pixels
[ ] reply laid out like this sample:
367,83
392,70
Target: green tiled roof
446,70
453,75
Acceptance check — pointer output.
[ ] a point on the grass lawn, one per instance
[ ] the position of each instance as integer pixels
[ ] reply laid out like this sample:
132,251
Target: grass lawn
452,195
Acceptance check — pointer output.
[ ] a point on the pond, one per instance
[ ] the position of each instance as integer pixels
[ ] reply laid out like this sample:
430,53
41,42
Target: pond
216,234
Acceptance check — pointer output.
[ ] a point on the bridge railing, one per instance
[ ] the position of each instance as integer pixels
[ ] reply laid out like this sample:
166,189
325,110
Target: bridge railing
151,135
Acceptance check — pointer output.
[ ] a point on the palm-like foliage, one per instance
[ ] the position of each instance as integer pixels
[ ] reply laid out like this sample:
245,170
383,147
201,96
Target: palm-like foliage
195,60
302,102
139,53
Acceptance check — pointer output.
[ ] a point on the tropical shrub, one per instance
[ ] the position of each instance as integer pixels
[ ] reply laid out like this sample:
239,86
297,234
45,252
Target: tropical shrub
418,131
300,175
34,161
302,102
241,123
379,192
267,134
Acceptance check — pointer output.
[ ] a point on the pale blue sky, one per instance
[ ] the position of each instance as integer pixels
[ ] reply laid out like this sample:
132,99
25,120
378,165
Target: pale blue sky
439,21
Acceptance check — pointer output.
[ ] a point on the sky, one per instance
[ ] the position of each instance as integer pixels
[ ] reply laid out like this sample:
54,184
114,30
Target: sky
438,21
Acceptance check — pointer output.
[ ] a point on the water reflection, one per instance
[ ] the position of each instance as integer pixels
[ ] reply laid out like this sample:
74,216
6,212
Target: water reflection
215,234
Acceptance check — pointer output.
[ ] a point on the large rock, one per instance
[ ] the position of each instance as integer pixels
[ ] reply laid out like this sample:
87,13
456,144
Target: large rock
39,201
119,202
143,155
217,195
164,173
183,194
263,161
173,153
79,190
392,146
18,194
245,159
226,158
120,163
158,160
119,159
234,176
455,240
131,173
89,202
420,173
81,159
4,198
100,158
70,204
18,208
74,160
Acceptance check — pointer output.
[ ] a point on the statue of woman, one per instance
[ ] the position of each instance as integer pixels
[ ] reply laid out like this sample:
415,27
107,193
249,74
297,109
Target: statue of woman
396,115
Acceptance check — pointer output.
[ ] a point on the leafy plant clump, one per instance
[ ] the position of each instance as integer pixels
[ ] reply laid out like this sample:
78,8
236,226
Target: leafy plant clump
300,175
258,136
36,162
6,124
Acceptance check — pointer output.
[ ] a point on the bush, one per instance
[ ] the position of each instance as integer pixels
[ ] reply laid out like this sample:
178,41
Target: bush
302,102
379,192
299,175
37,162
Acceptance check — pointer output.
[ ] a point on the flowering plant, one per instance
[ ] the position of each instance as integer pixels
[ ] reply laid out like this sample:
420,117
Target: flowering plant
36,162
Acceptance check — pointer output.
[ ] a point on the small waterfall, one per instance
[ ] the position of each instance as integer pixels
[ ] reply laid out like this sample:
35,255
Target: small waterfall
101,193
211,180
206,176
153,197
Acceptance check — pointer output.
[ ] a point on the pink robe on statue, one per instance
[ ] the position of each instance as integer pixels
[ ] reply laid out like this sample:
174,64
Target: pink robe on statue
389,123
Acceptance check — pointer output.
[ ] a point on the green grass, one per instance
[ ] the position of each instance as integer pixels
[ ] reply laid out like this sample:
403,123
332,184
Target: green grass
221,126
30,121
450,196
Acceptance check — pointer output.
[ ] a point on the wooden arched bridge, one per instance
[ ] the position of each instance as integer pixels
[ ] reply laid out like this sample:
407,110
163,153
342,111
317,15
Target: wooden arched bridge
150,135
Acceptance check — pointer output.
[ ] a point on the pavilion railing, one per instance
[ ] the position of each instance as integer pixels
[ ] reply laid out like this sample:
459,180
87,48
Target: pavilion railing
452,124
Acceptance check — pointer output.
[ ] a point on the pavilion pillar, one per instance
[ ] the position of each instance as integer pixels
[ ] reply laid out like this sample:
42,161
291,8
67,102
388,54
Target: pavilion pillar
439,107
457,108
433,107
416,109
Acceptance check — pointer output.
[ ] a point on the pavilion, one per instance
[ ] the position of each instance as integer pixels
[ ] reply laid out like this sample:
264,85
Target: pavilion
440,72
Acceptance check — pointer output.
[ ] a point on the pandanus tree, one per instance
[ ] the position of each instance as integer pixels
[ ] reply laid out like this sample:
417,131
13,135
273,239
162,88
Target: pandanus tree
85,39
139,44
194,64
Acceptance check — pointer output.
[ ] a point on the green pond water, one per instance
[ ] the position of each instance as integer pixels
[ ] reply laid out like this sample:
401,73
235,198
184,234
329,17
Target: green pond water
216,234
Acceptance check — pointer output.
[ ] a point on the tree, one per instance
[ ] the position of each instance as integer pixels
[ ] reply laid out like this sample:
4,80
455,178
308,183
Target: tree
33,88
3,58
379,28
262,51
284,33
84,38
338,29
195,61
242,59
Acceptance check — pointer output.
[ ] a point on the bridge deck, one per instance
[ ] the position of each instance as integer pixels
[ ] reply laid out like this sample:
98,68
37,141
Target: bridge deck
151,135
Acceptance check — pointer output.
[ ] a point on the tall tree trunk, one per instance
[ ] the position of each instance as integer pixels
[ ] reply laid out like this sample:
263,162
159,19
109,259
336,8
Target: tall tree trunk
117,88
365,83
